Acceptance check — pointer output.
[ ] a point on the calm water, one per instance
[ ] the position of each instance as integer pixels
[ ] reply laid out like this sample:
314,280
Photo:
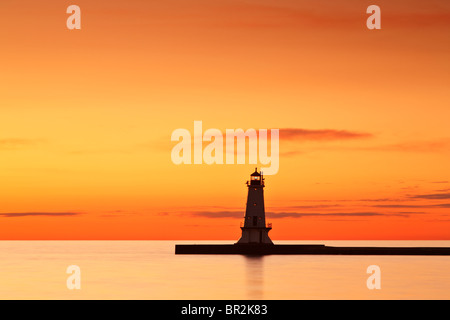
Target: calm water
151,270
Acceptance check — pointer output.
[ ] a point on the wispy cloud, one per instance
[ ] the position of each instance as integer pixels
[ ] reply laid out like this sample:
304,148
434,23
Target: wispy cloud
292,136
313,206
275,215
280,215
429,206
218,214
434,196
382,199
37,214
298,134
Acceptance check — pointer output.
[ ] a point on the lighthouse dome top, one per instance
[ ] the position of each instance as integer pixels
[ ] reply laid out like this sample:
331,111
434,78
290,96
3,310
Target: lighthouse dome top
256,173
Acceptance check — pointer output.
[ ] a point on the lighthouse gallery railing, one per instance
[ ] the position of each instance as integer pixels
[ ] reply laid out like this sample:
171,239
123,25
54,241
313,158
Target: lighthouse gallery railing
268,225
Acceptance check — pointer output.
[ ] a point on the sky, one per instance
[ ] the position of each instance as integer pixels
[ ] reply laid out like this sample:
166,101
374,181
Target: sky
86,118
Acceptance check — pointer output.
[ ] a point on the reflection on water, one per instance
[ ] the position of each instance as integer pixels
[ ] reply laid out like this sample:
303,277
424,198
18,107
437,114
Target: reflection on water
254,270
151,270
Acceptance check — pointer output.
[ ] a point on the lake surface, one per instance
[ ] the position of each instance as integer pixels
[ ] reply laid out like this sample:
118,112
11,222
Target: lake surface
151,270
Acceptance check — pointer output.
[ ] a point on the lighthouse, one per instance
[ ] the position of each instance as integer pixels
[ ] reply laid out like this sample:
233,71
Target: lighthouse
254,227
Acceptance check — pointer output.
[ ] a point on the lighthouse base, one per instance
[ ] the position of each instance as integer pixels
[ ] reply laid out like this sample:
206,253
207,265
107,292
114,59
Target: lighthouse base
315,249
255,236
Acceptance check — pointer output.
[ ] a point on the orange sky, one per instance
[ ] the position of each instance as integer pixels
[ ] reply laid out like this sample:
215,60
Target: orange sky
86,117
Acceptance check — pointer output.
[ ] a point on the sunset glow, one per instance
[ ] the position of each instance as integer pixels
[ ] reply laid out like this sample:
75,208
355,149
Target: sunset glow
86,118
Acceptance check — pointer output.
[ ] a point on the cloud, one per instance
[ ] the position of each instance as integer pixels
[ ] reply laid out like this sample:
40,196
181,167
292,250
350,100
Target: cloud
282,214
298,134
218,214
316,214
399,206
275,215
434,196
36,214
382,199
291,135
430,206
314,206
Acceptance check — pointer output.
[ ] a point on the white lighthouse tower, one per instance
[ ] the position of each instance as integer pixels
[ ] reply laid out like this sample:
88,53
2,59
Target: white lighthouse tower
254,228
